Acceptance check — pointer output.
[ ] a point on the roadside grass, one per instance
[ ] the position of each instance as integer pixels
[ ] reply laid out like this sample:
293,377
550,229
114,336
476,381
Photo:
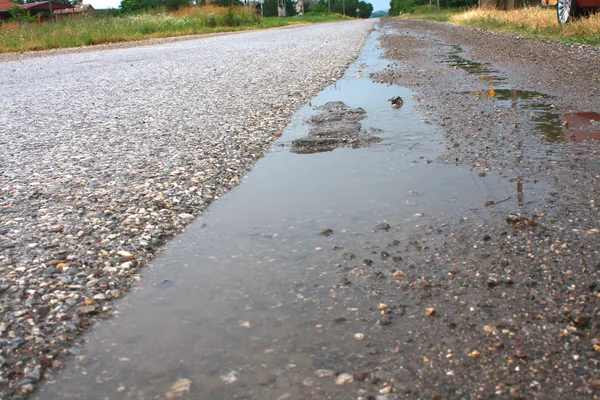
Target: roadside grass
533,22
68,32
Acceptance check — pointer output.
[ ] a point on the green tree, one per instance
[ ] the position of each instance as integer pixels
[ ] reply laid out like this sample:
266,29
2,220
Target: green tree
364,9
137,5
270,8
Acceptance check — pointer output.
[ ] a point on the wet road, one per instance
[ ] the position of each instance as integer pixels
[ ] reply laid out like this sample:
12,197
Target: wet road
234,295
256,301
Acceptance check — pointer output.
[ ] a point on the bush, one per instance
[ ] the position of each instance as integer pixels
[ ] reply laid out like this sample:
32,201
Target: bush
19,14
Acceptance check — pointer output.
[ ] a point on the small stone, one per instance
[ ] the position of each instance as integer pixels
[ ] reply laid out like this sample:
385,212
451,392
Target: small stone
398,274
385,321
125,254
245,324
323,373
229,378
396,101
73,271
52,271
100,297
326,232
360,376
27,388
474,354
429,311
384,226
490,329
307,382
343,379
179,388
186,216
492,282
91,309
386,390
382,306
359,336
489,203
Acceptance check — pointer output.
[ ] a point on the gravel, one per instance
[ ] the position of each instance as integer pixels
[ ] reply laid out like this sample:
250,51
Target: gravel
107,154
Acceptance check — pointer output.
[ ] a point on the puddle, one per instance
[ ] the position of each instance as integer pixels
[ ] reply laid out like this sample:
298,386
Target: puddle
549,122
554,126
581,126
242,305
483,70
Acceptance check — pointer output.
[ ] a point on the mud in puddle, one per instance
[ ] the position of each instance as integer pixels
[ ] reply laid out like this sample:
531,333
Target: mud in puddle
291,286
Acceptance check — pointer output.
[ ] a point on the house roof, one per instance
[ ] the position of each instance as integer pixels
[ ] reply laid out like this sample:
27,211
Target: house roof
38,6
45,6
6,4
77,8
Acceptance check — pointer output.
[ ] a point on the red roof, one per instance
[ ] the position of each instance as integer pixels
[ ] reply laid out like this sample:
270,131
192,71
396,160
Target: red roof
6,4
38,6
44,5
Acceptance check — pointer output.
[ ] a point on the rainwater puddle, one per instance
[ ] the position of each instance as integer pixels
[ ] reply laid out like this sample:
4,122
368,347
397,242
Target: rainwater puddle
553,125
247,303
483,70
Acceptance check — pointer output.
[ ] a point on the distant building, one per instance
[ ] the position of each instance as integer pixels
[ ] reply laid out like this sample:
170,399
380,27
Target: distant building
77,10
41,9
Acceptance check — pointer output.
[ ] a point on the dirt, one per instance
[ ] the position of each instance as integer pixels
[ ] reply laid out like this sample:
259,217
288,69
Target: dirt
506,307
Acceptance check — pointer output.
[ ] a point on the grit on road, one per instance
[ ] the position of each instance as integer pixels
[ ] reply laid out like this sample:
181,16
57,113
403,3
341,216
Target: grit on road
106,154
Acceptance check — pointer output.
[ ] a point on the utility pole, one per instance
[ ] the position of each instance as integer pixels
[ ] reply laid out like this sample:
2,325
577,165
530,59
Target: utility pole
438,5
51,13
343,7
329,6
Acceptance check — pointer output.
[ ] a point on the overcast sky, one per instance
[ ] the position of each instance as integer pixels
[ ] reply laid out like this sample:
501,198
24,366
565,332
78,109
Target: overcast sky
378,5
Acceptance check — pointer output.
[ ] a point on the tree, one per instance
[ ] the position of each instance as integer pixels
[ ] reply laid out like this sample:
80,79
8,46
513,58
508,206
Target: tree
270,8
364,9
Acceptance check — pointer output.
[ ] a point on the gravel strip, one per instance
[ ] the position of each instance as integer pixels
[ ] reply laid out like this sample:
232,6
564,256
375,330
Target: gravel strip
105,155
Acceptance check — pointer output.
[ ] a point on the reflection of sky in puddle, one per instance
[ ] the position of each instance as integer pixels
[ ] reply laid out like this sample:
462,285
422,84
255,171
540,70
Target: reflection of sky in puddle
247,287
553,125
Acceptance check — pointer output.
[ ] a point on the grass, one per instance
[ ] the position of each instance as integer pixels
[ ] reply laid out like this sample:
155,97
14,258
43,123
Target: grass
534,22
77,32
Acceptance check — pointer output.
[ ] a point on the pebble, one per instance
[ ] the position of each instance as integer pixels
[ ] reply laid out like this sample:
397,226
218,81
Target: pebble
323,373
344,378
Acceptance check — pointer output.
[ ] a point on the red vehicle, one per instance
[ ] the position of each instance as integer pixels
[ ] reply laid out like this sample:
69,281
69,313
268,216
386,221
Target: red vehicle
569,9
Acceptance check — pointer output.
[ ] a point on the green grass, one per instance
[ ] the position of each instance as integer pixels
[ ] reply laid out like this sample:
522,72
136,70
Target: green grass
68,32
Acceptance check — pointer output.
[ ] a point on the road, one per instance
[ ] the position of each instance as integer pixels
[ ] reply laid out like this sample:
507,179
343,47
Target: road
116,148
455,256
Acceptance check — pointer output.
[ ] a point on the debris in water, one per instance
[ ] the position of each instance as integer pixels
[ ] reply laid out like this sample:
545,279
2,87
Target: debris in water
396,101
326,231
229,378
336,126
179,388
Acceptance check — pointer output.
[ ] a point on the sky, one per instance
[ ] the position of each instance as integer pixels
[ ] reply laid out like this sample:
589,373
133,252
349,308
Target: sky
378,5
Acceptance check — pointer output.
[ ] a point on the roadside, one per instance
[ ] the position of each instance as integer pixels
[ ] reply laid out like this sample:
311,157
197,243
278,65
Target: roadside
515,295
531,22
144,26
